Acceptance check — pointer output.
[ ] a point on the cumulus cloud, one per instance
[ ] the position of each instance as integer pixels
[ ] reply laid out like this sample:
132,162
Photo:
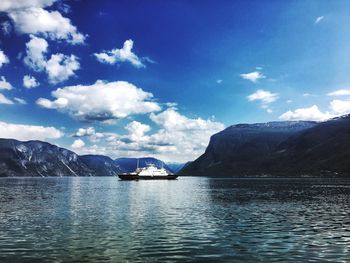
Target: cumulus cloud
25,132
265,96
91,134
29,17
253,76
319,19
340,107
313,113
169,141
30,82
101,101
120,55
77,144
11,5
3,58
58,68
5,84
137,130
171,119
61,67
340,92
56,104
36,49
181,138
4,100
85,132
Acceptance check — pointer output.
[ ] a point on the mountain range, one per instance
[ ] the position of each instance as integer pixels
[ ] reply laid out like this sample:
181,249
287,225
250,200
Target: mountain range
278,149
286,148
37,158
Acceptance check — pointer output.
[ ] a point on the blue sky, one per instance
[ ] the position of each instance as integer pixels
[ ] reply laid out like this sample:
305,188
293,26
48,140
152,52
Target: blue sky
171,72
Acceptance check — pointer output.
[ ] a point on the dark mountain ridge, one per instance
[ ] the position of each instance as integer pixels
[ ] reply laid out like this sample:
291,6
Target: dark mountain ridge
102,165
278,149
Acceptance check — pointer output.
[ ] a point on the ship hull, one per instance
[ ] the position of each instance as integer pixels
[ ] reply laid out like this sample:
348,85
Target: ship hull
133,177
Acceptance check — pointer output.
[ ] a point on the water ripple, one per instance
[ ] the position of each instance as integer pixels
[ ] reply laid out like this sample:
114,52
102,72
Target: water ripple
188,220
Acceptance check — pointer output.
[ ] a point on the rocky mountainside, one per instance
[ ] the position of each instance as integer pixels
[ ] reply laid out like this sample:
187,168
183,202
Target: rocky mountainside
102,165
176,167
36,158
277,148
320,150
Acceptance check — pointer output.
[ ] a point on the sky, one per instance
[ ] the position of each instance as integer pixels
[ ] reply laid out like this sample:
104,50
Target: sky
158,78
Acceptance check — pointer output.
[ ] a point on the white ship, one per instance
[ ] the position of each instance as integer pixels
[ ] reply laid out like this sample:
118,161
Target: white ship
150,172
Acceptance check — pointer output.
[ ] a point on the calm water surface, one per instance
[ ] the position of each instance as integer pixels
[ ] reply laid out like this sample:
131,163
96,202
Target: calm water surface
101,219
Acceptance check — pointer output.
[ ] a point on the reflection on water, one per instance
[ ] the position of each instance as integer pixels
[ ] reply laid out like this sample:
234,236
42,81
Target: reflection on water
192,219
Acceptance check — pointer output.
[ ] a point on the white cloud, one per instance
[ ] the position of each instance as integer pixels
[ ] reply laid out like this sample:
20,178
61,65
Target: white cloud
336,108
340,107
58,68
56,104
91,134
101,101
219,81
253,76
29,17
340,92
120,55
36,49
20,101
266,97
61,67
77,144
170,119
307,95
11,5
4,100
85,132
3,58
137,130
170,141
311,114
50,24
30,82
319,19
181,138
5,84
25,132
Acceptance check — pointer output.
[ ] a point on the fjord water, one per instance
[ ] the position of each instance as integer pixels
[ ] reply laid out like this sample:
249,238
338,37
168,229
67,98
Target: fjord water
102,219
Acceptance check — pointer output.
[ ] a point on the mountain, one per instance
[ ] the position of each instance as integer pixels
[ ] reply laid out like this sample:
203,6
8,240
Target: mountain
102,165
253,149
36,158
321,150
130,164
176,167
